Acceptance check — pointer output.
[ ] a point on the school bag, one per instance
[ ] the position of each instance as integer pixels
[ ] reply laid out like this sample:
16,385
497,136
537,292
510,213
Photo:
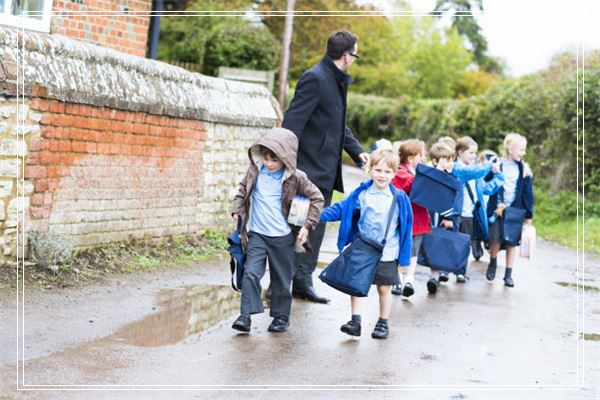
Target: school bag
353,271
446,250
436,190
238,257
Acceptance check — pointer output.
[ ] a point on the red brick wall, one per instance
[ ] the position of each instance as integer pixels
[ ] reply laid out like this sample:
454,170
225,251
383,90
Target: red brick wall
104,175
127,33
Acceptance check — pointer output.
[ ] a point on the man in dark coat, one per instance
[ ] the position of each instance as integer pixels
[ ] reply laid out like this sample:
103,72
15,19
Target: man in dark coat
317,115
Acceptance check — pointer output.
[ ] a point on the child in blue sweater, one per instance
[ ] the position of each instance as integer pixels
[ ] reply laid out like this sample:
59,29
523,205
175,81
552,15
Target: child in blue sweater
365,210
516,191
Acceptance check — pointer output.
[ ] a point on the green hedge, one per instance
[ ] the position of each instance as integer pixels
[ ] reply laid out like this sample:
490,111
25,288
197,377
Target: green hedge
542,107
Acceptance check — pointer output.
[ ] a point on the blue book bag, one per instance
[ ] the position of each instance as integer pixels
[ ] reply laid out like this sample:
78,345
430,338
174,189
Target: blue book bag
237,257
436,190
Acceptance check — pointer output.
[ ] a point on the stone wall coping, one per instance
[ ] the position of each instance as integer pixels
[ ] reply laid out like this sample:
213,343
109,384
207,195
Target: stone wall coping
60,68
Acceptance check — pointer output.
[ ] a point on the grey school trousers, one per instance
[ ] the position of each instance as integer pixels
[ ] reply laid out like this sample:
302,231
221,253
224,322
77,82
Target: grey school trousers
280,253
306,263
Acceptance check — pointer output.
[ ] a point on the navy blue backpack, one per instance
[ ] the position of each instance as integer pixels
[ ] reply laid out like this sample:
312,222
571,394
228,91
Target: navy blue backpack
353,271
436,190
237,257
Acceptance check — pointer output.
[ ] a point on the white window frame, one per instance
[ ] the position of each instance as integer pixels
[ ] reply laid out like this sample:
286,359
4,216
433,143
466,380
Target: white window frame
41,25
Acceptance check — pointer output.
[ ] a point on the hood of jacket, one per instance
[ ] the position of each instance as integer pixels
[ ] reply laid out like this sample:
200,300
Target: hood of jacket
280,141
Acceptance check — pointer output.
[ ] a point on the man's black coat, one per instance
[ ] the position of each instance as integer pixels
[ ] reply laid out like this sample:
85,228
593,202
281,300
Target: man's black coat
317,115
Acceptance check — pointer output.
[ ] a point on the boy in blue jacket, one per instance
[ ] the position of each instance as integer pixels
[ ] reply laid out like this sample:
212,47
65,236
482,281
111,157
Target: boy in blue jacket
365,210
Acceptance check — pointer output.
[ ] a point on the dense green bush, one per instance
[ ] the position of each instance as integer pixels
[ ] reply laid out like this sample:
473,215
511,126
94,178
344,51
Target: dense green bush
542,107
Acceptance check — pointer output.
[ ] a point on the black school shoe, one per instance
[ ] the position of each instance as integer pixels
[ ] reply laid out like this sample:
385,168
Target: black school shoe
397,290
432,285
351,327
408,290
381,331
279,324
444,277
242,323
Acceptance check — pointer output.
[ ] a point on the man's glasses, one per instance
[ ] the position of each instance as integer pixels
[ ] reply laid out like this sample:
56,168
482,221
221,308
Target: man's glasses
354,55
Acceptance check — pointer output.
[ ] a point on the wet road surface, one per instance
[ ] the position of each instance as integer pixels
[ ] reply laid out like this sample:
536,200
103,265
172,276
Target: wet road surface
168,336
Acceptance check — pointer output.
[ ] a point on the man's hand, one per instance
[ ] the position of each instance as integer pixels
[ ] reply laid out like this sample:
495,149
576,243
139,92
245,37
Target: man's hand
303,235
364,157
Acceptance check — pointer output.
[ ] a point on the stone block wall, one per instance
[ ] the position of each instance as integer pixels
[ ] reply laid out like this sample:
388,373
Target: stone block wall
99,146
125,33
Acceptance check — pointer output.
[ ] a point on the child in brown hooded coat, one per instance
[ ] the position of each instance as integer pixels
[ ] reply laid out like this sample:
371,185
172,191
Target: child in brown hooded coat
263,203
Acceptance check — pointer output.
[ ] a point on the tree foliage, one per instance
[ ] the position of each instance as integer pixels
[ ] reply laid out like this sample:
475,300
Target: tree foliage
213,41
467,26
544,107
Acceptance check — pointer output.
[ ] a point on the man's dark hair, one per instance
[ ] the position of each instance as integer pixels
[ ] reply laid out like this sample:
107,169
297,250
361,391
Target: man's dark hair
339,43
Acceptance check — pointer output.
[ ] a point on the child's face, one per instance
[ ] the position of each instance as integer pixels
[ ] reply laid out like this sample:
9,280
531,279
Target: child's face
415,160
272,164
468,156
382,175
445,164
516,151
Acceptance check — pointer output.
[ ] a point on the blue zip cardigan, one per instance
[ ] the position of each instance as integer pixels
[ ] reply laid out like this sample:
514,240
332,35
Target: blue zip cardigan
482,188
523,198
348,213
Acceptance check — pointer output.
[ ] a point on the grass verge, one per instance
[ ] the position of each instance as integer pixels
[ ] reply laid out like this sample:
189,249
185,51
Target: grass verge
95,265
555,219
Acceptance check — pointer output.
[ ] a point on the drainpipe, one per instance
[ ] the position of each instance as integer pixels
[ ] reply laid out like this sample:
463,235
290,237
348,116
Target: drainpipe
157,7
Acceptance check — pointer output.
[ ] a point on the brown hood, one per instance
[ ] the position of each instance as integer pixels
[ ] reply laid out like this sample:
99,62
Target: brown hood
280,141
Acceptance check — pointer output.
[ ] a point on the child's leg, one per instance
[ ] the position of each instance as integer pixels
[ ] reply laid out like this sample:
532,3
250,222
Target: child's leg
254,270
385,300
510,256
510,259
281,265
356,305
409,272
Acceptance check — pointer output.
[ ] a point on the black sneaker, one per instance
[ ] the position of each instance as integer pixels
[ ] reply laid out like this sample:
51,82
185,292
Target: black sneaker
397,290
444,277
351,327
408,290
432,285
508,281
242,323
381,331
460,278
279,324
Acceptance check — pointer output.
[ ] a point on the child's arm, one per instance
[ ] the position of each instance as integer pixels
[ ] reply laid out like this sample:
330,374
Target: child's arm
494,184
333,212
314,195
238,200
405,228
528,200
472,171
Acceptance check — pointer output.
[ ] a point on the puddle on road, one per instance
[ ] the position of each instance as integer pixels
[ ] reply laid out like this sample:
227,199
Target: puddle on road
184,312
573,284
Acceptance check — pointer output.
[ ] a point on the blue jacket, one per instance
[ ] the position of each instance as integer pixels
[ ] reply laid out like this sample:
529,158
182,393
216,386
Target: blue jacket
347,212
523,197
483,188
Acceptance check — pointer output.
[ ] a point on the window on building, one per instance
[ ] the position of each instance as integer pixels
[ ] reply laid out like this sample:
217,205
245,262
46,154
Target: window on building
28,14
